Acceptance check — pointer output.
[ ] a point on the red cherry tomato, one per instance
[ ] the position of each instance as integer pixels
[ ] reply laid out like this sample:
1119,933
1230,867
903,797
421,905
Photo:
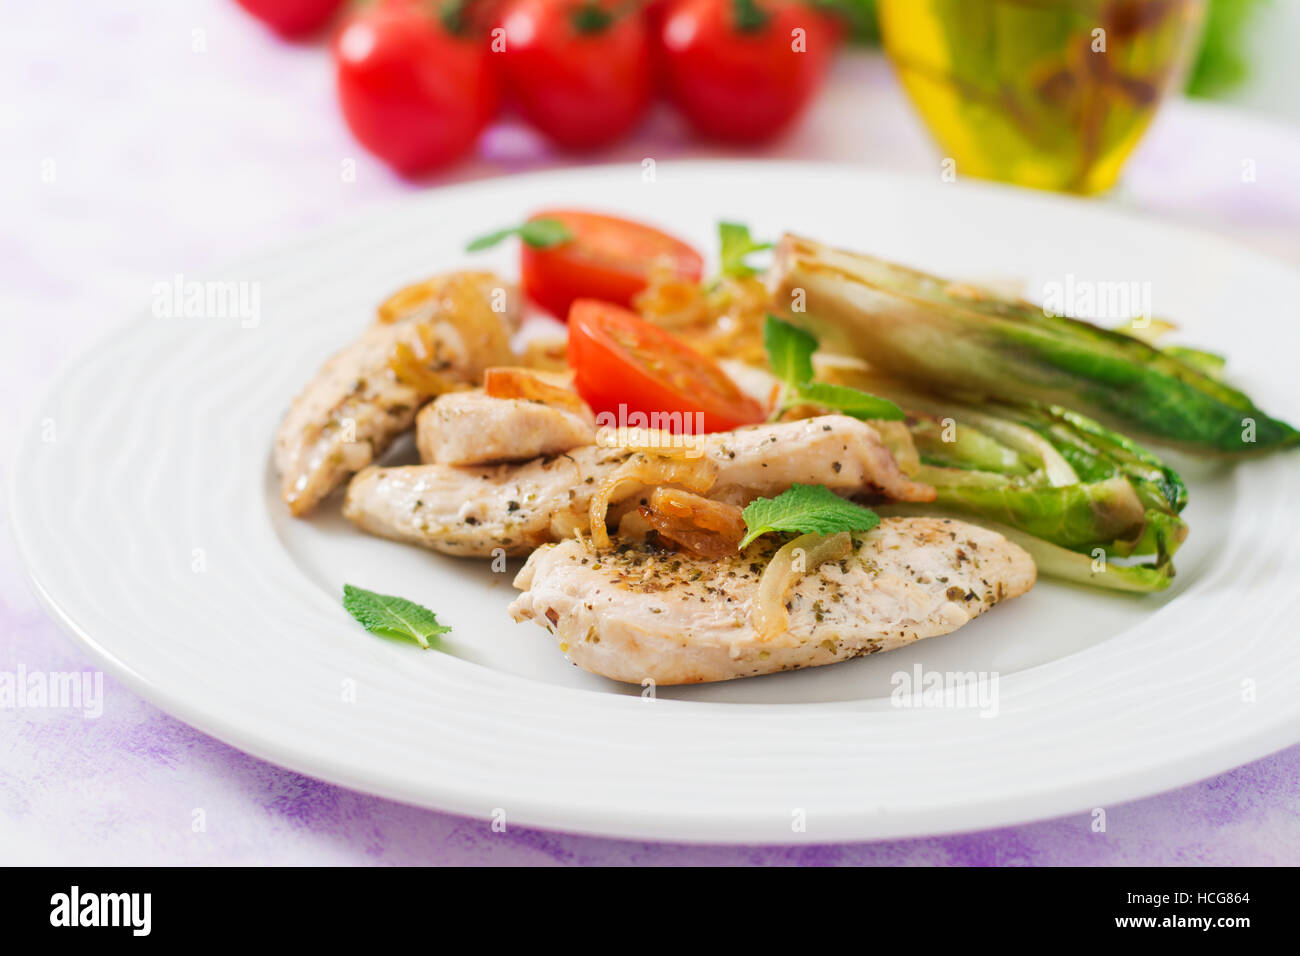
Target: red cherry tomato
579,70
655,12
415,86
619,358
740,70
292,18
607,258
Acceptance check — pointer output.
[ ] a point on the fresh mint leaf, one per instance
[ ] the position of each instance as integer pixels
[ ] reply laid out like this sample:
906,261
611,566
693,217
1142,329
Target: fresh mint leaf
805,509
849,401
736,243
544,233
789,351
539,233
491,239
391,616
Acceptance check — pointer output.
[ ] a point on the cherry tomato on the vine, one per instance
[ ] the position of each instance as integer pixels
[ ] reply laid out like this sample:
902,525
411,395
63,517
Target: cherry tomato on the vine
292,18
742,70
579,70
415,82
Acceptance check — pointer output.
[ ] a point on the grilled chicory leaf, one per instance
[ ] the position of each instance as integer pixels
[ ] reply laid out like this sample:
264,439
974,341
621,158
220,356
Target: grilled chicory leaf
1083,494
960,340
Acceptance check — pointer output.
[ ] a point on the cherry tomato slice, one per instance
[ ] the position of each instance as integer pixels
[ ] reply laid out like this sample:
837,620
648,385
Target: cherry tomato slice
607,258
619,359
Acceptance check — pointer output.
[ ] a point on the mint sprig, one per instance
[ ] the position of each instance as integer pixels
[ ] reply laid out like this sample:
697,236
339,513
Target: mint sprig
538,233
390,616
789,352
805,509
850,401
736,243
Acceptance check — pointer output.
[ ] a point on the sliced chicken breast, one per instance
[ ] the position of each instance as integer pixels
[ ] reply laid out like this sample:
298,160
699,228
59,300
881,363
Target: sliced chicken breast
635,613
473,511
440,333
472,428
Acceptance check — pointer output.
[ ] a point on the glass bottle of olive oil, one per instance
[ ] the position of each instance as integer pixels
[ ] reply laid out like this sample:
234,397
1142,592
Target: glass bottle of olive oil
1052,94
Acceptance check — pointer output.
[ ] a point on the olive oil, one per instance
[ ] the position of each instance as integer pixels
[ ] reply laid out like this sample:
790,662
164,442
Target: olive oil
1052,94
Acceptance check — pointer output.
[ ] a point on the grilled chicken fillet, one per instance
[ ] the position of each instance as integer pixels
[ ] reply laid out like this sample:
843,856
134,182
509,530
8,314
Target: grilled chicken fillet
635,612
452,327
473,511
472,428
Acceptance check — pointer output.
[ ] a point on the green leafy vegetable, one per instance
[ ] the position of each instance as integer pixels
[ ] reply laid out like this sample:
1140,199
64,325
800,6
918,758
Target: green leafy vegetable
1068,487
850,401
1208,363
805,509
736,244
1078,517
789,352
391,616
539,233
937,335
940,442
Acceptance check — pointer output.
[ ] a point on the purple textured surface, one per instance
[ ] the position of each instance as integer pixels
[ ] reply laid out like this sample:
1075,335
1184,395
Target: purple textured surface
143,140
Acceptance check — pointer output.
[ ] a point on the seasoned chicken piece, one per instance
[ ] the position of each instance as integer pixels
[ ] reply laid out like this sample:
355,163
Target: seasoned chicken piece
473,428
636,612
430,337
472,511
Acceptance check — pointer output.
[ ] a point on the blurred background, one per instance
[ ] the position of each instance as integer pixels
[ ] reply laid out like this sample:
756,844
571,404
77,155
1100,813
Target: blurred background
1047,93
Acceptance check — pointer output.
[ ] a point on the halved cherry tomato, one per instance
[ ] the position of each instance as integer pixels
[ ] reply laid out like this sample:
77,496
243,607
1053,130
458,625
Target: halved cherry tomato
607,258
619,358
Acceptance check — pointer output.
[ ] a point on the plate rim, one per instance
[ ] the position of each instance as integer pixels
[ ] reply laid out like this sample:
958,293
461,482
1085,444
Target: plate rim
1113,791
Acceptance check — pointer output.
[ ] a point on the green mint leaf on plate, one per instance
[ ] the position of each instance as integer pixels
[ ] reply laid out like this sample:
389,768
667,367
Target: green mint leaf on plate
391,616
736,243
491,239
539,233
805,509
848,401
544,233
789,351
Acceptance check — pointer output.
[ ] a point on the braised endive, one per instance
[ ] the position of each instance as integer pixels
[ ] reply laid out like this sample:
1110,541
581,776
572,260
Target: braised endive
1078,496
956,339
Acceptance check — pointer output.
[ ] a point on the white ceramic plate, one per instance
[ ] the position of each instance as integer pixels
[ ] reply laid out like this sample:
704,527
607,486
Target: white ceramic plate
144,504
